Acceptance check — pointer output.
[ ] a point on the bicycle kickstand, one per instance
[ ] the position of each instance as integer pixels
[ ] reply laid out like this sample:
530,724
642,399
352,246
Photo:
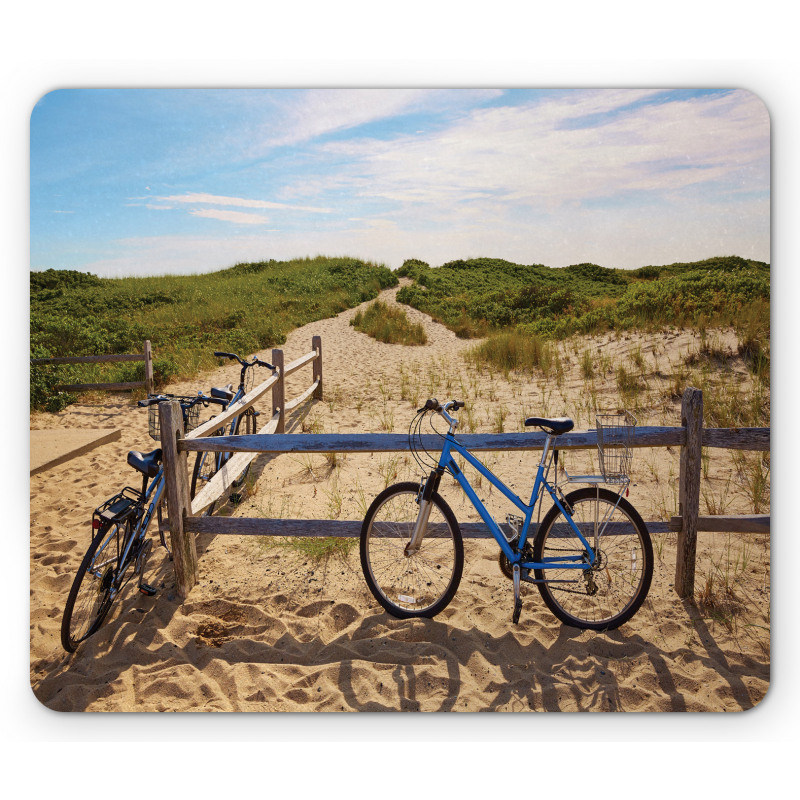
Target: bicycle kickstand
517,598
145,588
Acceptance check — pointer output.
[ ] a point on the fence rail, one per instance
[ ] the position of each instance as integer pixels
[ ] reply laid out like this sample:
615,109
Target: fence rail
146,355
690,436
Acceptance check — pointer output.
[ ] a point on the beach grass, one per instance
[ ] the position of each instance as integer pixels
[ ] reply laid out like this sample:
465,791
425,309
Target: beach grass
389,324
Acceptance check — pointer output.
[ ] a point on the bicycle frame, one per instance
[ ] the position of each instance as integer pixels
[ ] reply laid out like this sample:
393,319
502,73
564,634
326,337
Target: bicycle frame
446,461
150,498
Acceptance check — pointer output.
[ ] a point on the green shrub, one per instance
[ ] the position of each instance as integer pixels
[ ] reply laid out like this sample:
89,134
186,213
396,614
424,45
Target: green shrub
245,308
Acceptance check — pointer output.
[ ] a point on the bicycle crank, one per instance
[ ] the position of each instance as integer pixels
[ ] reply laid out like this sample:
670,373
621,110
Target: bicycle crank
517,598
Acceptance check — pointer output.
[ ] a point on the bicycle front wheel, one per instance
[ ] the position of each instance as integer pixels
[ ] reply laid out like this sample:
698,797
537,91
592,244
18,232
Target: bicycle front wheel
91,595
417,585
206,465
245,426
609,593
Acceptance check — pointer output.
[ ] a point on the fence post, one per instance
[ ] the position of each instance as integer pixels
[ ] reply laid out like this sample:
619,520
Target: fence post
148,367
689,490
279,391
176,480
316,344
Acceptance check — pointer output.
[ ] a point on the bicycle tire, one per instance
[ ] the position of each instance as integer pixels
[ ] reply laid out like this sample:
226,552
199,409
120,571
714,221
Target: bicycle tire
206,465
608,595
245,426
410,586
82,619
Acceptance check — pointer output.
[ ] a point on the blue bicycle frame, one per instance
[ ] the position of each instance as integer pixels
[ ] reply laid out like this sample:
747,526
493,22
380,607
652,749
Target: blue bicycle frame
446,461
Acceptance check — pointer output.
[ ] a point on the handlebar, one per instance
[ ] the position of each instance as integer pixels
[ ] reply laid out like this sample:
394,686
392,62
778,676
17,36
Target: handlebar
432,404
186,402
255,362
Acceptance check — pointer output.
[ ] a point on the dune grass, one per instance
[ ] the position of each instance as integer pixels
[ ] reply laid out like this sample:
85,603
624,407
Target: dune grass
389,324
514,350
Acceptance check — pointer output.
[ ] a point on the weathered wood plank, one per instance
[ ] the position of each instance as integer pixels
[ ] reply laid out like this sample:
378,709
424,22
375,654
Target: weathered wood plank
300,528
737,438
250,526
727,523
689,490
398,442
222,481
89,359
176,479
207,428
148,367
656,436
107,387
300,398
293,366
279,392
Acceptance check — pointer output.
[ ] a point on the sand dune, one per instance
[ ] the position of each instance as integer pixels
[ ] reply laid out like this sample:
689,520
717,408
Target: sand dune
269,629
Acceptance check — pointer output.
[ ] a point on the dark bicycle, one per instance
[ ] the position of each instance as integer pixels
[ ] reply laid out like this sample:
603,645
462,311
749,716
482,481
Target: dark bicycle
208,464
119,547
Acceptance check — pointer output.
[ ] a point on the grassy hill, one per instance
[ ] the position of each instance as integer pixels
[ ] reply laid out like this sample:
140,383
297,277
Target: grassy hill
243,309
481,295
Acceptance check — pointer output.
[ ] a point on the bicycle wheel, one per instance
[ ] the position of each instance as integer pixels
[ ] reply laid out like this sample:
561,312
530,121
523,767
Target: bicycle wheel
422,584
91,596
610,593
206,465
245,426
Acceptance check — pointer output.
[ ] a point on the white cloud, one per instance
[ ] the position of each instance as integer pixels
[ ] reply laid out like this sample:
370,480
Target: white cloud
201,198
320,111
239,217
532,155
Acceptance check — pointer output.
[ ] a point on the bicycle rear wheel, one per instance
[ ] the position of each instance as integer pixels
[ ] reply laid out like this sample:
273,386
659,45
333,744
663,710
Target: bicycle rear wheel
608,594
91,596
418,585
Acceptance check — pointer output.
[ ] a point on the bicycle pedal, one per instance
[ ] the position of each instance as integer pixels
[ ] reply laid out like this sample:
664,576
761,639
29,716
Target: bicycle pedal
517,611
145,588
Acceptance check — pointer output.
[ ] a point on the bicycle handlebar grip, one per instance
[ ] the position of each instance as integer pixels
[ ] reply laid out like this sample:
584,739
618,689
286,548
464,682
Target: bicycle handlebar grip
152,400
264,364
458,404
431,404
226,355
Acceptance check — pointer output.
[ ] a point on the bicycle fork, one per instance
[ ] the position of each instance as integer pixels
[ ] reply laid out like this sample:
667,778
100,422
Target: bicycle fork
426,492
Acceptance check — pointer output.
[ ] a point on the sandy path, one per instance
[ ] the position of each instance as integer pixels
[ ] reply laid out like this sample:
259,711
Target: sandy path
268,628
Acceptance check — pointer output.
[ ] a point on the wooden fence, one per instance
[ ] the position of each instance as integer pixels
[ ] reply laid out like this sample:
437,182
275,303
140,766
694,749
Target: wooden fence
184,523
146,356
174,448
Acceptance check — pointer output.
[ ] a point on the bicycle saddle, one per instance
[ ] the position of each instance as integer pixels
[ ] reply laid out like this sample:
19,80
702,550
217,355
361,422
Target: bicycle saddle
555,426
148,464
222,392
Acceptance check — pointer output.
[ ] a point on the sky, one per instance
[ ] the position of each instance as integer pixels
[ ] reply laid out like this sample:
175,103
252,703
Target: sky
177,181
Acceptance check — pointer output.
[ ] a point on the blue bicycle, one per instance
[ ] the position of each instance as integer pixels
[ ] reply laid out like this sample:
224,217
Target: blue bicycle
591,556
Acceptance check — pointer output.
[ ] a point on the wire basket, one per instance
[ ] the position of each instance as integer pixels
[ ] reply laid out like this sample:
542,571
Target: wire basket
614,445
191,417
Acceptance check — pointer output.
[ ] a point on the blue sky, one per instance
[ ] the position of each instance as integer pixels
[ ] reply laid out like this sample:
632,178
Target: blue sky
157,181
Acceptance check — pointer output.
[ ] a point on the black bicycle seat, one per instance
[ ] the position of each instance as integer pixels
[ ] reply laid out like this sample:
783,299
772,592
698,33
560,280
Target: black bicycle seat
148,464
555,426
222,392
